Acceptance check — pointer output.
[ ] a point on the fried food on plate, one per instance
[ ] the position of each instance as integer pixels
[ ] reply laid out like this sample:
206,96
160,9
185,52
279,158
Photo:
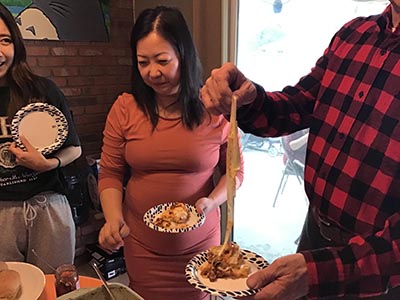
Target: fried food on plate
176,216
3,266
229,264
10,283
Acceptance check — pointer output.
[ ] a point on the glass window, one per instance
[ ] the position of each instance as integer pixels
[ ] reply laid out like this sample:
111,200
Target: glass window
279,41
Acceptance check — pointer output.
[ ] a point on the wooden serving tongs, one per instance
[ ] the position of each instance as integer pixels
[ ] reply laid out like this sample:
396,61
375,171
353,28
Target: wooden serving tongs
232,167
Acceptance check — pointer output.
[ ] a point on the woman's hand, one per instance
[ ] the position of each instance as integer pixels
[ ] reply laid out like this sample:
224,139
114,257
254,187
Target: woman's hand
112,234
286,278
31,158
205,205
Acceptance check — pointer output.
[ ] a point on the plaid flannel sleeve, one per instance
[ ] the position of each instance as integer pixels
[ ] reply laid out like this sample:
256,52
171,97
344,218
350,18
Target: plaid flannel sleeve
367,266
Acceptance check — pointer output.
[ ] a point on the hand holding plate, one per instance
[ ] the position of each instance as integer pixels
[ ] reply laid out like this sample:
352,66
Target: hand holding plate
44,124
30,158
285,278
224,287
205,204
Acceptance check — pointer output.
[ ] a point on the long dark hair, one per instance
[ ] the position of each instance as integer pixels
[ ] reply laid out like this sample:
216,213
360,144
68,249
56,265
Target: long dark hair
24,84
171,25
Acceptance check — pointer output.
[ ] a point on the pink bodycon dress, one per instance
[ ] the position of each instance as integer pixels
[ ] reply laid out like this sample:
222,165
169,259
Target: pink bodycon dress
169,164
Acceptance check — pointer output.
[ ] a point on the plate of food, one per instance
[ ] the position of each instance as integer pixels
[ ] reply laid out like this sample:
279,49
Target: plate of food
21,281
42,124
173,217
224,272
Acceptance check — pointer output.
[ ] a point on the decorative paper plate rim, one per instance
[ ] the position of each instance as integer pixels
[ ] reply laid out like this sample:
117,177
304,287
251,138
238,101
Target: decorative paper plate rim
192,276
149,216
53,111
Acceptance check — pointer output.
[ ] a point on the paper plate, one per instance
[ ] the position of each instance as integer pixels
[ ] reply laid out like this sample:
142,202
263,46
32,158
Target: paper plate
195,220
32,280
223,287
44,125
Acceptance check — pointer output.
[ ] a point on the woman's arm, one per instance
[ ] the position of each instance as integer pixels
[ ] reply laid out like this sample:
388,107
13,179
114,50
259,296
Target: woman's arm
219,194
34,160
112,169
68,155
114,230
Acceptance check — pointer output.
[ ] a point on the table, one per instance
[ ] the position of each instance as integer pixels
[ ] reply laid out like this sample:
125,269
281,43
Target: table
49,292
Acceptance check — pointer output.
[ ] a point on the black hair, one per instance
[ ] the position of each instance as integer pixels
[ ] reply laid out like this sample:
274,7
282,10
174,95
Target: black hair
169,23
24,85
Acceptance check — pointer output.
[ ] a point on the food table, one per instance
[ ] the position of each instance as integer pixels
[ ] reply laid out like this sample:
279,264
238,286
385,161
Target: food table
49,292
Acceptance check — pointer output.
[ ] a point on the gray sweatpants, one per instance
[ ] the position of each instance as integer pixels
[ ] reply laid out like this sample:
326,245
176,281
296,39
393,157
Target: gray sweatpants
43,223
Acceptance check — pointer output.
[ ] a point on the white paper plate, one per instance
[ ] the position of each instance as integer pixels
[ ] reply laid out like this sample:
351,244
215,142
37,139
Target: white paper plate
223,287
32,279
44,125
195,220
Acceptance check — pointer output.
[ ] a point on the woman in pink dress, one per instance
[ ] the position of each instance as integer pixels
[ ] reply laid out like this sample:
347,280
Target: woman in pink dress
171,147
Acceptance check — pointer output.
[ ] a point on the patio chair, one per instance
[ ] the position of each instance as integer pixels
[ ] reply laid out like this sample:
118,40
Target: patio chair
292,167
294,147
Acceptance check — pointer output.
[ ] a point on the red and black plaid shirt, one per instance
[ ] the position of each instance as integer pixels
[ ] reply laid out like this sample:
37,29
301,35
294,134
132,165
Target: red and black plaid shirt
351,102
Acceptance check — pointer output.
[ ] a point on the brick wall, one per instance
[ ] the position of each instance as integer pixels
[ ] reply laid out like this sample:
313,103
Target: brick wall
90,74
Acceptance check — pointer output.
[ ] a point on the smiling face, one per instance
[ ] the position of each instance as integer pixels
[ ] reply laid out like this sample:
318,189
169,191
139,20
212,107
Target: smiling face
6,52
158,64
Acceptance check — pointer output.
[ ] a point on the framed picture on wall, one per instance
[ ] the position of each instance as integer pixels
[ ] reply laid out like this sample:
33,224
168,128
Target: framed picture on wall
63,20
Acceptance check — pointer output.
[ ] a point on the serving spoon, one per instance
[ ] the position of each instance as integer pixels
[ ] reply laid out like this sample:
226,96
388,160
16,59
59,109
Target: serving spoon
43,260
105,284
